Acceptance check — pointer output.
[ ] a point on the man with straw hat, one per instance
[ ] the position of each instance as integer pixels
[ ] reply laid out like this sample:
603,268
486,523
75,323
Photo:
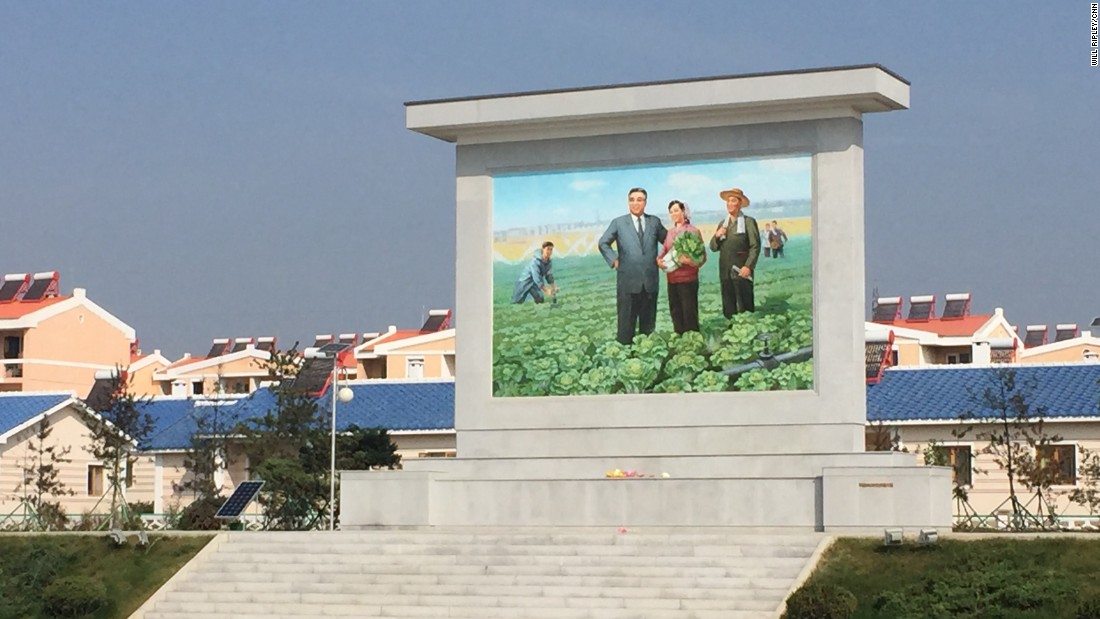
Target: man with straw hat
737,241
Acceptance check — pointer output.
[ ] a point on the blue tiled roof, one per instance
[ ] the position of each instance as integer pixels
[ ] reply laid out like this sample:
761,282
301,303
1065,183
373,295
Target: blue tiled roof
390,405
15,410
933,394
175,421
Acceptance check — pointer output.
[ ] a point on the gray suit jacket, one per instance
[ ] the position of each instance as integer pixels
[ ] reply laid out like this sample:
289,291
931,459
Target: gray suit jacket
637,258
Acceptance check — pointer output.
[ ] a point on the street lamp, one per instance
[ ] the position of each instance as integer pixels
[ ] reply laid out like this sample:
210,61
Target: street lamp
343,394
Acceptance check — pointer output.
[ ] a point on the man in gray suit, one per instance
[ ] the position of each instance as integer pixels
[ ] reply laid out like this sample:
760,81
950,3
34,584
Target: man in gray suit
636,237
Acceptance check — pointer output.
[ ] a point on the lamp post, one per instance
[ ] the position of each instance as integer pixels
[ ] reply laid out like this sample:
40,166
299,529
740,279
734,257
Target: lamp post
342,394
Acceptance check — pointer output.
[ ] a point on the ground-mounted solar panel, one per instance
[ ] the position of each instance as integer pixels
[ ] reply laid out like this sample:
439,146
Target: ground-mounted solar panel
1065,332
15,285
241,343
887,309
42,285
1036,335
235,505
219,347
922,307
956,306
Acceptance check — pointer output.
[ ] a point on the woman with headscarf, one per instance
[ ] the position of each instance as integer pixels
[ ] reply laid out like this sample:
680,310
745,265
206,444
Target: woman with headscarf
682,271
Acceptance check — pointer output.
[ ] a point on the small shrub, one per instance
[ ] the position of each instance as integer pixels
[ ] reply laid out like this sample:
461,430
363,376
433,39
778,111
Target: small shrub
199,516
1089,609
818,602
52,517
40,564
141,507
73,596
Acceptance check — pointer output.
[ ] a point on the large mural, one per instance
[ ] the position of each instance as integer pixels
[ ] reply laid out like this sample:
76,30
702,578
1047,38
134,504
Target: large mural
681,277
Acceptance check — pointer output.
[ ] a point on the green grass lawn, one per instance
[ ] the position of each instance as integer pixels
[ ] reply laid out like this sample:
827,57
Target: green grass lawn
1005,578
128,574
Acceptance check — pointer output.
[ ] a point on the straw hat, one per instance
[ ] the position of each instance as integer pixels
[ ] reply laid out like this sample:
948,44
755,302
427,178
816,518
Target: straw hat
725,195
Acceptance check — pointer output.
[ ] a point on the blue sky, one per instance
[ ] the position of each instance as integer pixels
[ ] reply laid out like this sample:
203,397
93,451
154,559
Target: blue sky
598,195
225,169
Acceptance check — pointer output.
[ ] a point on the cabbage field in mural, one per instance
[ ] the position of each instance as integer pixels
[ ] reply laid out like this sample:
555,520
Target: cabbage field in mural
568,347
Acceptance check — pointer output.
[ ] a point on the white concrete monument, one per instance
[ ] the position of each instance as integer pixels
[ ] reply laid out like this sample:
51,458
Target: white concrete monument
755,419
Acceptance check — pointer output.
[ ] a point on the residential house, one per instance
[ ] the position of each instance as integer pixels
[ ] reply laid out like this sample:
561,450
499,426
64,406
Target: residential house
427,352
54,342
915,405
956,336
232,366
80,472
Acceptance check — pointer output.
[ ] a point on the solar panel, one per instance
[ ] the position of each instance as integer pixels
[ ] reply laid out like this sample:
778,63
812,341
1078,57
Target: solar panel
14,285
1036,336
321,340
887,309
956,306
241,343
348,338
242,496
438,320
922,307
219,348
315,373
1065,332
99,397
333,348
874,354
265,343
43,285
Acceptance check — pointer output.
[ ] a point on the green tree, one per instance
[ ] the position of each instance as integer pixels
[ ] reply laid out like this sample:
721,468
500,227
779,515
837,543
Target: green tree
42,480
116,431
1013,431
286,447
360,449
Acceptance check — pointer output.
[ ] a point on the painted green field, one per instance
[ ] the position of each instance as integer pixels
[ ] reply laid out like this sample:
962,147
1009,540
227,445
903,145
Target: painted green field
569,347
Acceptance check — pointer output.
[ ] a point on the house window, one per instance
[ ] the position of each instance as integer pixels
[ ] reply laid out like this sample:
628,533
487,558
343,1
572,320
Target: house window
1064,460
414,367
436,454
95,480
957,358
196,387
959,459
241,386
894,358
13,346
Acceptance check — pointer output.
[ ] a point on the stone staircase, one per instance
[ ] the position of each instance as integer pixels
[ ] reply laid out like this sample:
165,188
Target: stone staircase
491,573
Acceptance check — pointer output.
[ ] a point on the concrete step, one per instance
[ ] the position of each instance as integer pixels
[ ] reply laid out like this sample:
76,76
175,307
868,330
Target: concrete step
495,572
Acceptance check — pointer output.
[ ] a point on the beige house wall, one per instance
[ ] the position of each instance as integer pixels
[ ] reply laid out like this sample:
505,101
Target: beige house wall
990,486
247,372
67,429
397,365
143,384
173,473
411,446
1071,354
1000,331
77,336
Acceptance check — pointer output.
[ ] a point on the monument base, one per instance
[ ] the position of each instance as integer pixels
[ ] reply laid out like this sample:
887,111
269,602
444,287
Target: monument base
823,492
